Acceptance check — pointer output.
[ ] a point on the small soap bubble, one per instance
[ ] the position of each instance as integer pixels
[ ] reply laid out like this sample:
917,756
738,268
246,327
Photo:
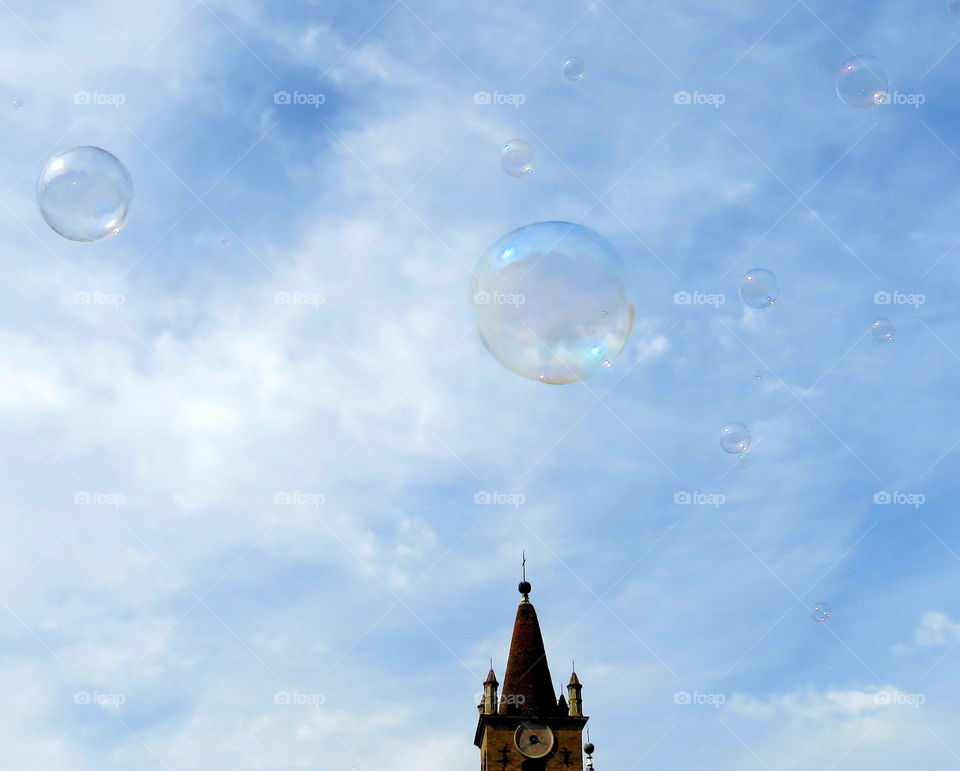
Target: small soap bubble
861,82
883,330
757,377
224,240
17,105
573,69
758,288
516,158
745,461
735,438
821,612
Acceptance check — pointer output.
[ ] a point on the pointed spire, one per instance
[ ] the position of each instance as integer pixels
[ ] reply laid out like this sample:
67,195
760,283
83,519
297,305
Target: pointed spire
490,701
575,694
527,687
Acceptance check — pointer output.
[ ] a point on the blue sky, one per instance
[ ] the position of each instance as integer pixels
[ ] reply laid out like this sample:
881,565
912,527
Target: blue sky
236,470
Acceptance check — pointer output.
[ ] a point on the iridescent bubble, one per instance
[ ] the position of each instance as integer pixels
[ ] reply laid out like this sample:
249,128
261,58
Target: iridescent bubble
735,438
84,194
883,330
758,288
573,69
550,302
517,158
861,82
821,612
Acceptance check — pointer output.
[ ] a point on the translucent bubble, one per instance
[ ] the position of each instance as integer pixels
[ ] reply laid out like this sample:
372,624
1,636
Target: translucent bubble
757,377
758,288
883,330
224,240
550,302
84,194
745,461
17,105
735,438
573,69
861,82
821,612
517,158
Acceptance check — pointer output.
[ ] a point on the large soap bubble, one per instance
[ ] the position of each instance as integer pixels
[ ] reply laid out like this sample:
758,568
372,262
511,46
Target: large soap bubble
758,288
861,82
84,193
550,302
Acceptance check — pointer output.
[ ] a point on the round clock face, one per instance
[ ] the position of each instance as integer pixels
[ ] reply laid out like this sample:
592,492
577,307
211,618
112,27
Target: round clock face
534,740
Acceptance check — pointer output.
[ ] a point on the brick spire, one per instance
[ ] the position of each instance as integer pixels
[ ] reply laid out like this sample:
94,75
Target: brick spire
527,685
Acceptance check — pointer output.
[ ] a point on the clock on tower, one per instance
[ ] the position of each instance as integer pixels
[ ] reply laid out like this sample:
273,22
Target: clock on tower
526,727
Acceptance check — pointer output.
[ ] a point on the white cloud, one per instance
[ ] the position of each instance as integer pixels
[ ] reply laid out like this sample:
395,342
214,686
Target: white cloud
936,629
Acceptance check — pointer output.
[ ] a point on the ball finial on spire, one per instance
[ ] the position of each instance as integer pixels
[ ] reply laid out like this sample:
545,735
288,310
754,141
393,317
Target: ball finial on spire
524,584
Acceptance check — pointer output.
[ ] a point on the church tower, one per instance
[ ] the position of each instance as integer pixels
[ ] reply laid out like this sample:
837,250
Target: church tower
528,728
